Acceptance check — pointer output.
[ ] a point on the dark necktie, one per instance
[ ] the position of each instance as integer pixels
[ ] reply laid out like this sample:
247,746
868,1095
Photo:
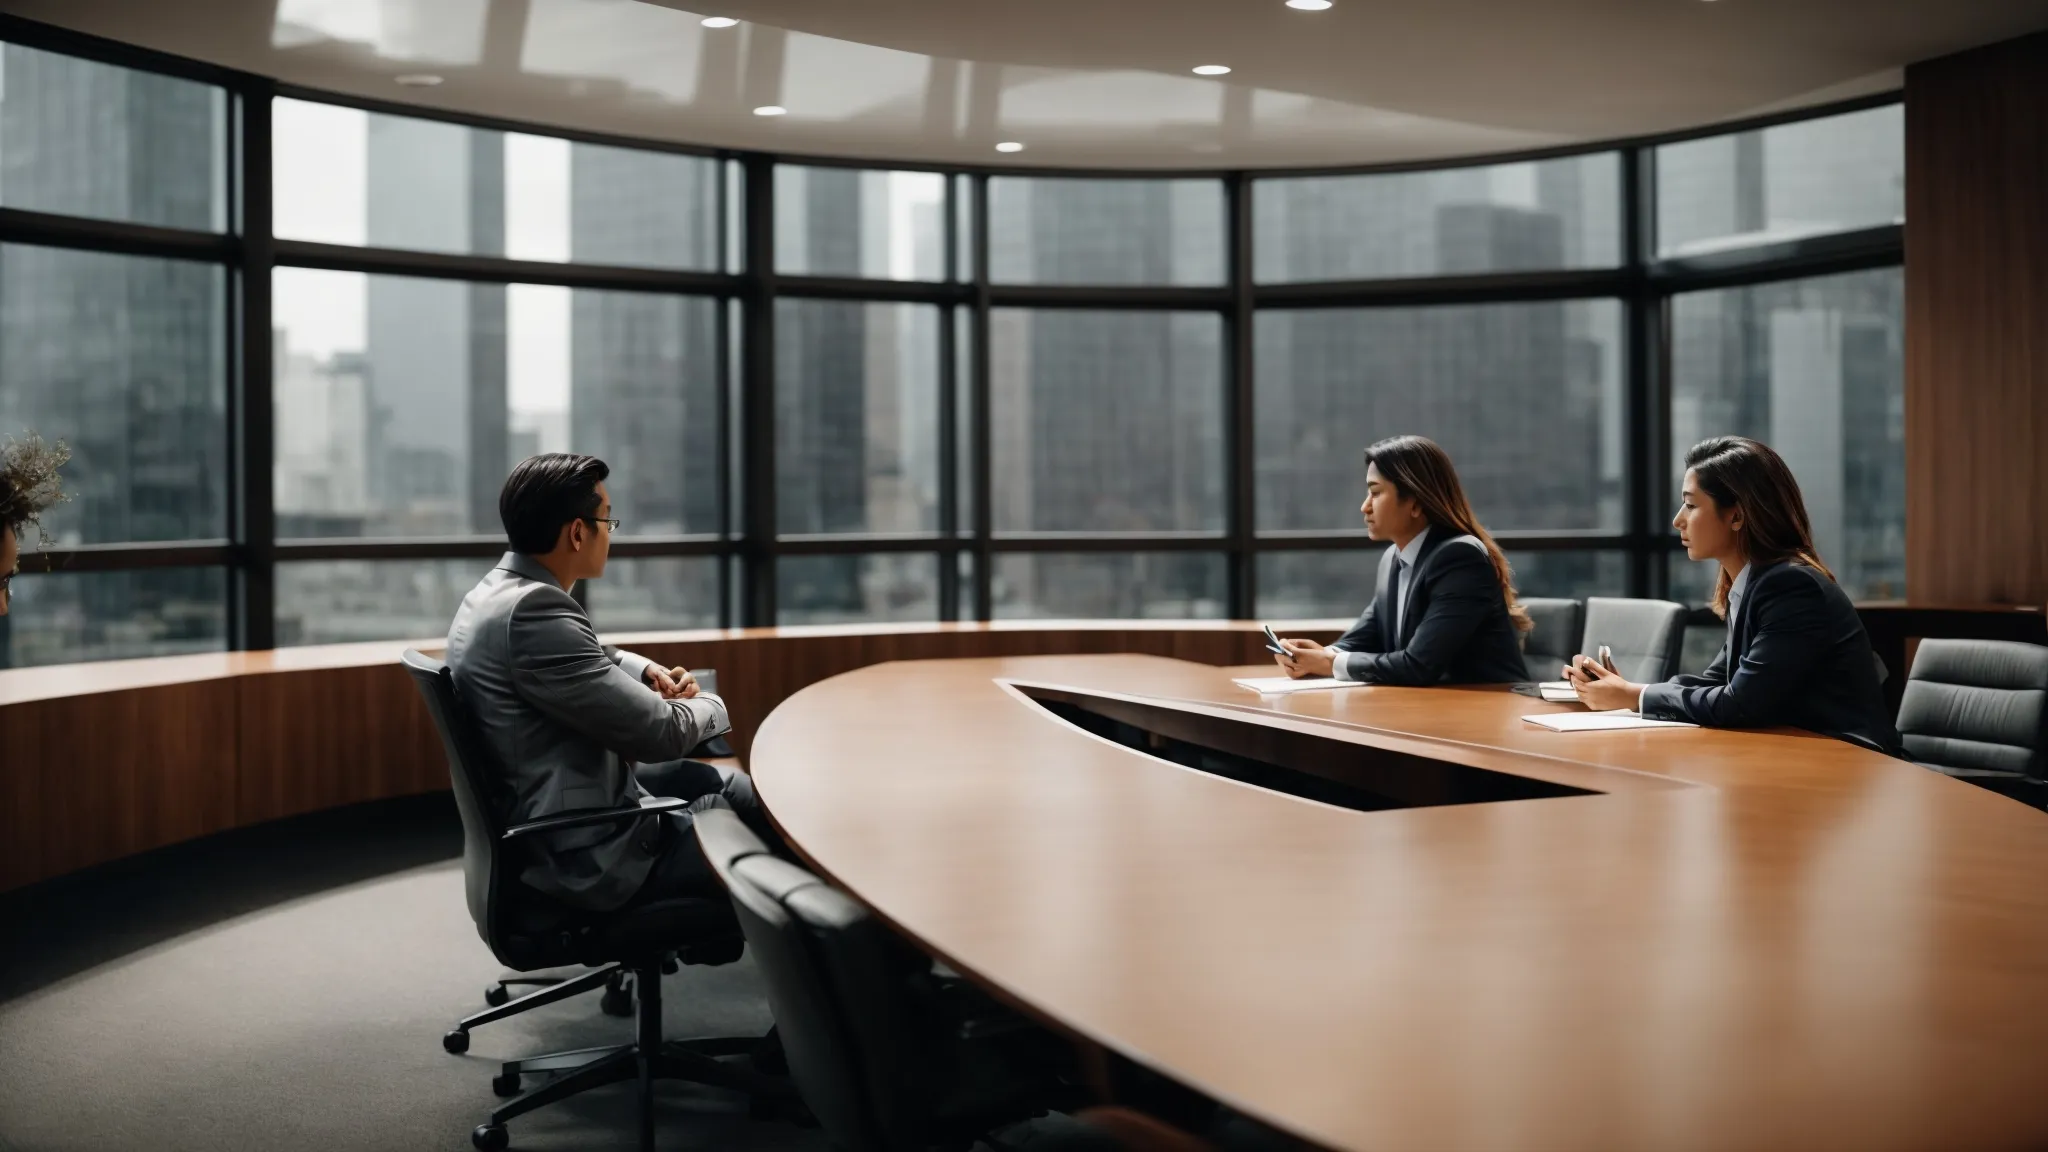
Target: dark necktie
1394,605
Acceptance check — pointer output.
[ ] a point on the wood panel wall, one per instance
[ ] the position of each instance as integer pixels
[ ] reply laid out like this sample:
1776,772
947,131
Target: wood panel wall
122,763
1977,325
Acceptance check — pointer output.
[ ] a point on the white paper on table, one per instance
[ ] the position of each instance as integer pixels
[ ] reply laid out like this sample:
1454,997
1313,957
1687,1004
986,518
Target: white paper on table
1276,685
1600,721
1559,691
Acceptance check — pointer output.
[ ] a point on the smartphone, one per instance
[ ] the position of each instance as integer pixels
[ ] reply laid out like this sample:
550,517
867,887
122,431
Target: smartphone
1273,643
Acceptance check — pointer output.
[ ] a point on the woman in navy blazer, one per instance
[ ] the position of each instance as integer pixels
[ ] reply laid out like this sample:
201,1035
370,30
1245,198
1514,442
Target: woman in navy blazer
1796,652
1445,609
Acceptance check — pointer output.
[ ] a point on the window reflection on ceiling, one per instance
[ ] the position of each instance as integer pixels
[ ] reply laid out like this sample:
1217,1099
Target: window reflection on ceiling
650,50
443,32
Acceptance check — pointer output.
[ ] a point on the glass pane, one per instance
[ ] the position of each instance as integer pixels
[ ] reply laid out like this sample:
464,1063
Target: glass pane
344,176
1056,230
1573,575
846,222
963,228
1533,216
1109,585
1814,368
854,589
1802,179
402,403
68,617
122,358
645,593
339,601
1106,421
856,417
963,421
1526,398
1339,582
90,139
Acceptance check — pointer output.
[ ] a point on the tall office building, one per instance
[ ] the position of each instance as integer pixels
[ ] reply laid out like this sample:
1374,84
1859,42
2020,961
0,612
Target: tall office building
120,357
1106,422
438,428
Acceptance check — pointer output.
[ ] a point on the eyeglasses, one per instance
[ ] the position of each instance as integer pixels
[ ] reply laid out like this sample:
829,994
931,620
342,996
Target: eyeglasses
608,521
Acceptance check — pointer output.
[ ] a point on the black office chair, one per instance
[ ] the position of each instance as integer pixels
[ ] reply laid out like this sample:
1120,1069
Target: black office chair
1978,710
889,1053
1556,627
528,931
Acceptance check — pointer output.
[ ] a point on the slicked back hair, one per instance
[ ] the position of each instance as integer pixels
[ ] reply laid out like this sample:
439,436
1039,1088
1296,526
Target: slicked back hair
545,492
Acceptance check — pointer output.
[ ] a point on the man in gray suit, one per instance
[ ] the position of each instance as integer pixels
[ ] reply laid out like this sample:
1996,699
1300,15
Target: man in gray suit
567,716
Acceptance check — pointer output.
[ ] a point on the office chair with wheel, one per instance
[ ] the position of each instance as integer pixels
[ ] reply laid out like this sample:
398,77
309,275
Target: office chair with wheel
888,1053
527,931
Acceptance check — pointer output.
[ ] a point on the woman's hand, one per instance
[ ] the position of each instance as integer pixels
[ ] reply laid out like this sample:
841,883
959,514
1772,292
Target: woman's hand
1601,689
1306,658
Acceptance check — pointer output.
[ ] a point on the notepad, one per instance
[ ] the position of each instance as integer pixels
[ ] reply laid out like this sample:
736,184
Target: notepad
1600,721
1559,691
1278,685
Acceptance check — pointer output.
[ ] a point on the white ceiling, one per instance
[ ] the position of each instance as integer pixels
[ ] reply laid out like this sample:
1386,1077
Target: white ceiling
1082,82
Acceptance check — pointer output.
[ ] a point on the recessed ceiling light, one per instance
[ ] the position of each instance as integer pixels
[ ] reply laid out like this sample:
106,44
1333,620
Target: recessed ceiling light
1309,5
1009,146
418,80
718,21
1212,69
771,110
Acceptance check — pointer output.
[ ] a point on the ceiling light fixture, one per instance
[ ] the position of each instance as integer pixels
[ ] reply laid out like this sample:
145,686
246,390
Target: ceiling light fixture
771,110
1212,69
718,21
418,80
1309,5
1009,146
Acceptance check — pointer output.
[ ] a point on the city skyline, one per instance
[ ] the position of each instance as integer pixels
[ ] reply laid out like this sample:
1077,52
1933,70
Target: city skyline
402,401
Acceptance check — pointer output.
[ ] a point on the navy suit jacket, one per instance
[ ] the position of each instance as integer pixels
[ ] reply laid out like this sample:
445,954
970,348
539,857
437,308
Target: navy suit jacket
1796,654
1456,628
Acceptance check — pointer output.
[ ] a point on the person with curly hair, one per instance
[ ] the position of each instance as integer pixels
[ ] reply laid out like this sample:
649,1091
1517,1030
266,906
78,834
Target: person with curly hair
29,484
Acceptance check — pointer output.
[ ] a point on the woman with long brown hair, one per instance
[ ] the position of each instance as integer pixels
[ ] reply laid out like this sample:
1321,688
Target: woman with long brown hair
1445,609
1796,652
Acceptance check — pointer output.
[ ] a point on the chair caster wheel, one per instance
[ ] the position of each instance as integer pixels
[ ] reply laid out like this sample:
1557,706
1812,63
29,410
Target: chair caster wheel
491,1138
455,1042
616,1002
497,994
506,1084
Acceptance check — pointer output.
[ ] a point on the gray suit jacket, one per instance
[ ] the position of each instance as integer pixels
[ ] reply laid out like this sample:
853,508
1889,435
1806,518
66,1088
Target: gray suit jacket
566,716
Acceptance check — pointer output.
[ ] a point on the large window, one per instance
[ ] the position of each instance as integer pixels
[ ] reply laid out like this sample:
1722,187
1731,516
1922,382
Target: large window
401,402
1527,399
1106,422
832,395
343,176
1525,217
1782,183
1814,368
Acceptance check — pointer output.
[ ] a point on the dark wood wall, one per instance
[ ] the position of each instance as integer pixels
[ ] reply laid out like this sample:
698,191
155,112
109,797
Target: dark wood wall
1977,325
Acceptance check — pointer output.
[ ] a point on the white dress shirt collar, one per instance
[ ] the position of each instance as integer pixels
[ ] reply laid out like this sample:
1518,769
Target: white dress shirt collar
1414,547
1736,590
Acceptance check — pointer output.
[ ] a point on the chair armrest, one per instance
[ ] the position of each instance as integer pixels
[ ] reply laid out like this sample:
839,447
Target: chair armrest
586,816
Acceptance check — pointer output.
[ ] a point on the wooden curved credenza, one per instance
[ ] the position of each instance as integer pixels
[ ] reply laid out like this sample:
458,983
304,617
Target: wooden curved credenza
102,761
1679,938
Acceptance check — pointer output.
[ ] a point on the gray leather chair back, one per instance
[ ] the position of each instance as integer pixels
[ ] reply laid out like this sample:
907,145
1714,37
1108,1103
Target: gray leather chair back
471,773
839,984
1548,647
1645,636
1977,705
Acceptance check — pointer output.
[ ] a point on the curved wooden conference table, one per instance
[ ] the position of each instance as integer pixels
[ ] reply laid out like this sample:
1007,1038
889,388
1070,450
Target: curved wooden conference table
1721,939
1725,940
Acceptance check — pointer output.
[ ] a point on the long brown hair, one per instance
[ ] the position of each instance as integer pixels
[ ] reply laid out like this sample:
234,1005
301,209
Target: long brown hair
1418,468
1737,472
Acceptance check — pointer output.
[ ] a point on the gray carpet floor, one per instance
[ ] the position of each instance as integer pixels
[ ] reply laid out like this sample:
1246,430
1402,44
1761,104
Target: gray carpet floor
287,987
